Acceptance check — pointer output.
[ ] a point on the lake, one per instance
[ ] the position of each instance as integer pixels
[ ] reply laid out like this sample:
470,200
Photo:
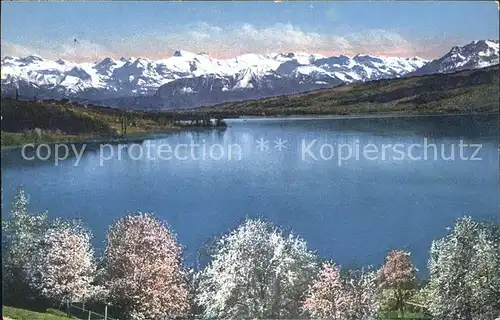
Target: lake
354,188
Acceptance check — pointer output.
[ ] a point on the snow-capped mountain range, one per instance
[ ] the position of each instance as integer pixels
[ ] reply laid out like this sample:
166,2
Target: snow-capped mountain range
477,54
190,80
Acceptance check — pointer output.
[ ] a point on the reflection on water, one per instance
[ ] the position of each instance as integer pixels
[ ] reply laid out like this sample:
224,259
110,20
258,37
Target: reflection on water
352,211
465,126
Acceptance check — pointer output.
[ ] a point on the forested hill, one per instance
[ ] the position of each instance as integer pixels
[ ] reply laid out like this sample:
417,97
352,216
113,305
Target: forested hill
465,91
27,121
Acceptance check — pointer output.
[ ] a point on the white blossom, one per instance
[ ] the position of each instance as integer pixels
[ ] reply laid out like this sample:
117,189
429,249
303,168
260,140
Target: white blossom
143,269
256,272
21,235
63,264
464,269
352,295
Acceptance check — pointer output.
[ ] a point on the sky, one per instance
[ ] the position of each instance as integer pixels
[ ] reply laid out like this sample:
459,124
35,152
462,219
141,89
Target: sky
90,31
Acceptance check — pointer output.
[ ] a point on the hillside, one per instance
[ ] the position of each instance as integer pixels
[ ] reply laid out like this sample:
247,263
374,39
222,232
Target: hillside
22,314
465,91
52,120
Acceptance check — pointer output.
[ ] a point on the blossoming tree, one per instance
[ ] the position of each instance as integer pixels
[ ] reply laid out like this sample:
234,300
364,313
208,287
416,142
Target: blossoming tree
464,270
21,234
397,275
343,295
327,296
256,272
63,265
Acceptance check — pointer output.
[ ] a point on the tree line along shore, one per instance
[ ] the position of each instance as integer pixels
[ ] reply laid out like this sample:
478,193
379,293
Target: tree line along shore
46,121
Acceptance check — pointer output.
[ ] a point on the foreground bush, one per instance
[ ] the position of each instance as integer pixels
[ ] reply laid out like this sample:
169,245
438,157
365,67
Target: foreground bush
143,273
351,295
464,270
256,272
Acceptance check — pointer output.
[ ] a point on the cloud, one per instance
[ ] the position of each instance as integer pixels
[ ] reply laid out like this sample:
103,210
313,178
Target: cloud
12,49
229,41
246,38
281,37
79,50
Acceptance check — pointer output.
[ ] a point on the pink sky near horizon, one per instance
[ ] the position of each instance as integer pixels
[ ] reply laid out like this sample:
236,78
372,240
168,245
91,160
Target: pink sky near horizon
81,50
402,52
92,31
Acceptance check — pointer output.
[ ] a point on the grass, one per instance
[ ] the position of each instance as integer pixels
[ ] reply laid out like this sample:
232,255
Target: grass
52,314
407,315
22,314
20,138
472,91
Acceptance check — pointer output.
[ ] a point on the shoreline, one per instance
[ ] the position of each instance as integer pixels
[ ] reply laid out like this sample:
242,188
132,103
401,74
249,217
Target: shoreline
134,137
140,136
361,115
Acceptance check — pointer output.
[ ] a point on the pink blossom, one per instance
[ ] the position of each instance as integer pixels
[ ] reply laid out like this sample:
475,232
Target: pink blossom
143,268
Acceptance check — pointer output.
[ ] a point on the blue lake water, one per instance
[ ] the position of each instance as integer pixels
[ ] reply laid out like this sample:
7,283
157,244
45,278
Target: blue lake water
352,211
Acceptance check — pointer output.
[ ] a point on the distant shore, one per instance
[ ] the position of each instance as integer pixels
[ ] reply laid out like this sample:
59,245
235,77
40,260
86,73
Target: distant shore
141,136
135,137
63,121
364,115
359,113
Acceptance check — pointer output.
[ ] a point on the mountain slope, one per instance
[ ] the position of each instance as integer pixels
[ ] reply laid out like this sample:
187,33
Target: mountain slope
477,54
464,91
192,77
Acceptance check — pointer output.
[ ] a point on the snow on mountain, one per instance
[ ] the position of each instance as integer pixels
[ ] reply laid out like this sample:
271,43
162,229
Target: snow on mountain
189,79
477,54
300,57
212,89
